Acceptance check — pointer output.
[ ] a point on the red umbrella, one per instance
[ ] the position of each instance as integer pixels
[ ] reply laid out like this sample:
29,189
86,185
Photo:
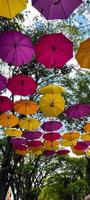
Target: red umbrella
51,136
53,50
51,125
35,143
18,143
22,85
3,82
81,145
5,104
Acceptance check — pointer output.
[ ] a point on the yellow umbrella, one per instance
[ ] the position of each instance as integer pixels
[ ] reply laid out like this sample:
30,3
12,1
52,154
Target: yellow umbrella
25,107
29,124
48,145
71,135
8,120
88,152
83,54
51,89
10,8
13,132
35,153
85,136
87,127
78,152
52,104
68,143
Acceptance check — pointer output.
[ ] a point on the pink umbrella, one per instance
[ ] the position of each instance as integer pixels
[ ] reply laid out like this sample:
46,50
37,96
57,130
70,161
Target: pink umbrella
51,136
78,110
53,50
32,135
5,104
81,145
51,125
48,152
63,152
22,85
3,82
15,48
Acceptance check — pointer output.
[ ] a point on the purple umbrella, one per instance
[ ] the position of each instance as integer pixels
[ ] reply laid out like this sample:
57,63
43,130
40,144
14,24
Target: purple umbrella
15,48
32,135
51,125
3,82
63,152
56,9
81,145
78,111
18,143
48,152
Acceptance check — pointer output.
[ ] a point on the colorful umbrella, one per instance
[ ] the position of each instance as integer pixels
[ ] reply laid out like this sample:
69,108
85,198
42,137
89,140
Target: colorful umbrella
29,124
35,143
78,111
51,89
5,104
53,50
63,152
52,104
13,132
78,152
68,143
73,135
85,136
32,135
18,143
3,82
87,127
51,136
15,48
21,152
35,153
56,9
10,9
26,107
81,145
48,152
22,85
51,145
51,125
8,120
83,55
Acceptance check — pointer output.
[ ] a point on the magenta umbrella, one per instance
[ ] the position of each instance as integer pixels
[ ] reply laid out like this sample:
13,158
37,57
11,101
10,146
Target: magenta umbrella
78,111
56,9
48,152
81,145
18,143
53,50
15,48
5,104
51,136
3,82
35,143
22,85
63,152
32,135
51,125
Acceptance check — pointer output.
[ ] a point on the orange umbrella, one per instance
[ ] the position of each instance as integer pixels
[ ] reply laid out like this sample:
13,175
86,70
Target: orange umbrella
21,152
48,145
78,152
87,127
8,120
71,135
26,107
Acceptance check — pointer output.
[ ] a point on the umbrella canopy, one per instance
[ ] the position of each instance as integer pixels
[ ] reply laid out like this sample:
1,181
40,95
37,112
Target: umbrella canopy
29,124
48,152
85,136
10,9
53,50
81,145
71,135
83,55
63,152
35,153
51,145
52,104
67,143
13,132
8,120
51,89
78,111
5,104
22,85
51,125
15,48
21,152
32,135
3,82
26,107
57,9
35,143
87,127
18,143
51,136
78,152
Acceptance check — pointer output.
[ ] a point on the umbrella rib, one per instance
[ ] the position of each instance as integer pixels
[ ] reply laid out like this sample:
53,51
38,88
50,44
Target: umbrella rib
22,3
63,10
9,8
49,8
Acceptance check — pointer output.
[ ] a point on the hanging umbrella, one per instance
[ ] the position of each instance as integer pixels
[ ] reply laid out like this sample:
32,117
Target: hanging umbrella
21,152
3,82
67,143
85,136
10,9
78,111
35,153
81,145
26,107
5,104
51,136
56,9
29,124
13,132
51,145
18,143
32,135
53,50
22,85
63,152
52,104
87,127
48,152
51,89
35,143
51,125
70,136
78,152
83,55
8,120
15,48
88,152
